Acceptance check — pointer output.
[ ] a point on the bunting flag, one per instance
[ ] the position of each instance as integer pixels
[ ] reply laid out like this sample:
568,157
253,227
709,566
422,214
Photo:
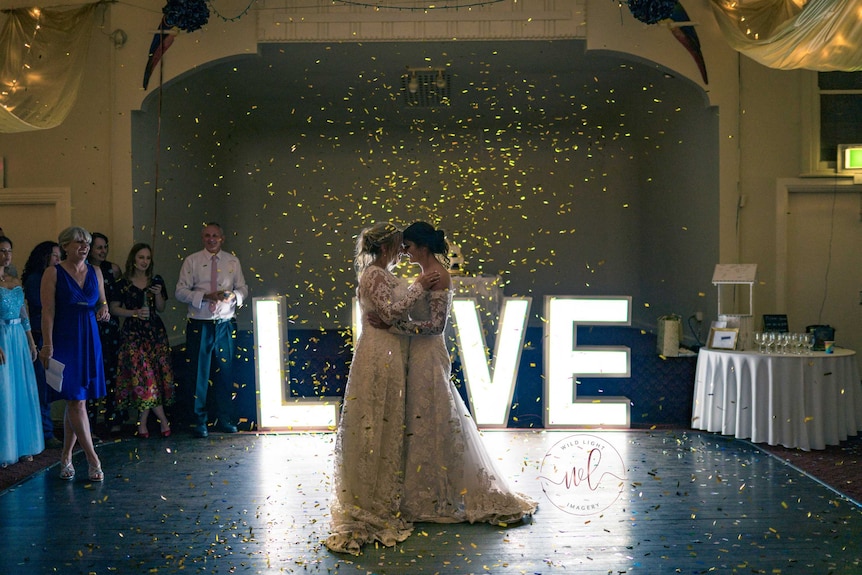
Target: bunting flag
162,40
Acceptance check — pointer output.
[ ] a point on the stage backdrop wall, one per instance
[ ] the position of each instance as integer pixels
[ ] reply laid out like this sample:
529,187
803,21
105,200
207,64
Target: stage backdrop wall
584,174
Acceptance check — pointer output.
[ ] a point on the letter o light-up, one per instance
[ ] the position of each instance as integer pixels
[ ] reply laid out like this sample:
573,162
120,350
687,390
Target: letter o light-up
565,360
276,410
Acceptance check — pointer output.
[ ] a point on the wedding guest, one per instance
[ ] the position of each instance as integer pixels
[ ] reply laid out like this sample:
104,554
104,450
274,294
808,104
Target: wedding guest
20,429
11,270
145,379
73,300
212,286
45,254
109,336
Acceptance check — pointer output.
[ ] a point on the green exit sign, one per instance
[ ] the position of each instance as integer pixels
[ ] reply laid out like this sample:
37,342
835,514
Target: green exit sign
850,157
853,159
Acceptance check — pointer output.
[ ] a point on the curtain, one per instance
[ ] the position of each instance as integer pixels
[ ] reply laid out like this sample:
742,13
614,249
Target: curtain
822,35
43,54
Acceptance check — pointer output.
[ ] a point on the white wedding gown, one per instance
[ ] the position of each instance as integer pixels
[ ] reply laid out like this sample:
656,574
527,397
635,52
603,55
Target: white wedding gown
369,448
448,474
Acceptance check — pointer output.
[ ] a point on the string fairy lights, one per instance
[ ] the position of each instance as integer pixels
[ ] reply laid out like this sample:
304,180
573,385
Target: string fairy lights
44,55
230,18
11,85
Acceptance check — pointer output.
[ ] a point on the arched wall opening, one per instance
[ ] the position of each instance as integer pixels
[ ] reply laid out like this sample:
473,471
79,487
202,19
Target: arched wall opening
561,170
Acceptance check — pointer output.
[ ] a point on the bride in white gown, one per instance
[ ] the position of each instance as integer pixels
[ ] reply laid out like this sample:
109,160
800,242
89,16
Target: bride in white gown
369,448
448,475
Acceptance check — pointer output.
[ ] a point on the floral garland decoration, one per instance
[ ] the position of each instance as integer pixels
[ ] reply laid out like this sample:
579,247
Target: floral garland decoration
187,15
651,11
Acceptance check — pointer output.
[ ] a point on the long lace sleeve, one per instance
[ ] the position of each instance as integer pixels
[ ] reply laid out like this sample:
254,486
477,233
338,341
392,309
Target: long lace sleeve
440,303
379,288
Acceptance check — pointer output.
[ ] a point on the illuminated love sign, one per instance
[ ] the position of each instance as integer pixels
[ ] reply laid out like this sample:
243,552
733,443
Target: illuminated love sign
490,388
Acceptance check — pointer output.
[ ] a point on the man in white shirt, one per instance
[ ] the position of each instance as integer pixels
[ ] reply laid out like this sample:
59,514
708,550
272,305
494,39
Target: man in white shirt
212,285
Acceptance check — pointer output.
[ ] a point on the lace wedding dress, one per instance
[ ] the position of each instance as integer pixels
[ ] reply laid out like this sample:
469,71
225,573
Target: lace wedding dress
369,446
448,475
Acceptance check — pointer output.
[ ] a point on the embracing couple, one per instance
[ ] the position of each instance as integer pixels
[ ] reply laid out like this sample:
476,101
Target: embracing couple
407,449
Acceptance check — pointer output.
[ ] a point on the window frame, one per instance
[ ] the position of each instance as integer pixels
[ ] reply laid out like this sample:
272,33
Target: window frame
811,129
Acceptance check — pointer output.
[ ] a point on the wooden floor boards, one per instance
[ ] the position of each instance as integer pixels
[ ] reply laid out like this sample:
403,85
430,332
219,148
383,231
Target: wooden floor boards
685,502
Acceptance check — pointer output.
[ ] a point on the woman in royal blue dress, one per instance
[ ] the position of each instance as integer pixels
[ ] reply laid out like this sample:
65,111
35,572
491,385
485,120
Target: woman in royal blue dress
145,379
20,424
73,300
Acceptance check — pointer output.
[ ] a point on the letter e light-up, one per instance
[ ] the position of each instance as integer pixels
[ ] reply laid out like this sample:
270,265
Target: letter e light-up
565,360
275,408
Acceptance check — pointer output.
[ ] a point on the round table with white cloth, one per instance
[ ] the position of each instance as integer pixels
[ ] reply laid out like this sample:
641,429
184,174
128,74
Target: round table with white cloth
803,401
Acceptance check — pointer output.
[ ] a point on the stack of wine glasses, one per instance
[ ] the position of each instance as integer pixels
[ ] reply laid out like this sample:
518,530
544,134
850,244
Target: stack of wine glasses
783,343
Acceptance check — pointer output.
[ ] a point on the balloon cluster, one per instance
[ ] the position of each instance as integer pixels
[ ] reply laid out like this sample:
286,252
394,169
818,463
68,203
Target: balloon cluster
651,11
187,15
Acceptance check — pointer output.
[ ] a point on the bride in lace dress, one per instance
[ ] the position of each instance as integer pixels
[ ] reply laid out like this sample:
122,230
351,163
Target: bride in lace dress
369,446
448,475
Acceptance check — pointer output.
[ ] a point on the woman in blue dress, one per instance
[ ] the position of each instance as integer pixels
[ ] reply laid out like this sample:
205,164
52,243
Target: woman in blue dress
20,423
73,300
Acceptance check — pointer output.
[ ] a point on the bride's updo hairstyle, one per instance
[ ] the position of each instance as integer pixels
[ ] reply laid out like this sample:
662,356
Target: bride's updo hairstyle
424,235
371,243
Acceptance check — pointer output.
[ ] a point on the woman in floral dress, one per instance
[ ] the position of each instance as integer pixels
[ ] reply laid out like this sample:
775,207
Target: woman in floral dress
145,379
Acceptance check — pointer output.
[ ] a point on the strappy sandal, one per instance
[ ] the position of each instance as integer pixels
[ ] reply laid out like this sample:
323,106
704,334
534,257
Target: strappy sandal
67,471
95,474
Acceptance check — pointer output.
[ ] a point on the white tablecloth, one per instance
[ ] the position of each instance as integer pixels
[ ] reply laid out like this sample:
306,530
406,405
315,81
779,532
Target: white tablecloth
804,401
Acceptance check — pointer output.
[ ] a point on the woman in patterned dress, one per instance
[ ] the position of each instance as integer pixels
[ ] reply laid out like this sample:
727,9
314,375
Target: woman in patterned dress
145,379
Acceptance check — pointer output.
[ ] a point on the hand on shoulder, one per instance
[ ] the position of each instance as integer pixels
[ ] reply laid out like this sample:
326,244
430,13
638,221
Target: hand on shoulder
445,281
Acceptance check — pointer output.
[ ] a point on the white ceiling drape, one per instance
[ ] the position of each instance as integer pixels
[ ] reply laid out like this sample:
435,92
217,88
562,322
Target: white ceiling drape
44,55
44,51
824,35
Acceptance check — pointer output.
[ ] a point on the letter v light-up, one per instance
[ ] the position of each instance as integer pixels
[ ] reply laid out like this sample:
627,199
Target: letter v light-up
491,396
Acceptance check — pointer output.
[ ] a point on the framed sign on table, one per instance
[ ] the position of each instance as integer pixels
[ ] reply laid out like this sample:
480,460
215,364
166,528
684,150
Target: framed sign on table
722,338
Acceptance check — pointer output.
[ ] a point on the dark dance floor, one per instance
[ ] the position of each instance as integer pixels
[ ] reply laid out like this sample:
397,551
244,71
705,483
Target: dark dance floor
609,502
